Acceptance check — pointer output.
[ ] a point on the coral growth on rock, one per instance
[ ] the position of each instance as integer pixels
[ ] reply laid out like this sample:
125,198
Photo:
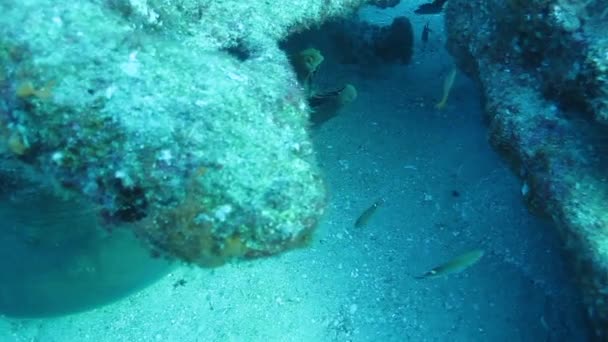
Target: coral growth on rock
543,69
185,120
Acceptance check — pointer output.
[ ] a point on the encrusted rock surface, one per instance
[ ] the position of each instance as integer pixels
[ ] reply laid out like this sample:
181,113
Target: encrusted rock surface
182,118
542,66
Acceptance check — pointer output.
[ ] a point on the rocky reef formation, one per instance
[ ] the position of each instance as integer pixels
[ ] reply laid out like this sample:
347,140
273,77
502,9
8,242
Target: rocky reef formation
181,118
542,66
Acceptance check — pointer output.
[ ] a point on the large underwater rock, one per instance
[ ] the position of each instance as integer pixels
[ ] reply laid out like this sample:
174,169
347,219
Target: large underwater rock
181,118
542,66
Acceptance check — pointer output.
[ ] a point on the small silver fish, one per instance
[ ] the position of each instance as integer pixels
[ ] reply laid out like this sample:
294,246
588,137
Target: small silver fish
368,213
457,264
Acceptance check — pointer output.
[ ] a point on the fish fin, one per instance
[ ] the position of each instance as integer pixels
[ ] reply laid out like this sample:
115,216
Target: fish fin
426,275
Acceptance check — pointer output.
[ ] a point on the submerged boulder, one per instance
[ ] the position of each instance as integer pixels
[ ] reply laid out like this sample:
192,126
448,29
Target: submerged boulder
543,70
182,119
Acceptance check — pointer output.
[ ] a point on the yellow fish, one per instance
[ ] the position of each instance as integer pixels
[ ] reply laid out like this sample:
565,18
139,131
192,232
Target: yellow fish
447,87
457,264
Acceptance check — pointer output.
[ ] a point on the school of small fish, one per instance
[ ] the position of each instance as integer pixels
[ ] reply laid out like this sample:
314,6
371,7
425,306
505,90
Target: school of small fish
454,265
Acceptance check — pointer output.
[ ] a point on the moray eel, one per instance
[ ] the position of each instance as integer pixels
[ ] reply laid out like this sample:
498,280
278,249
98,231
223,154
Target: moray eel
327,105
457,264
306,63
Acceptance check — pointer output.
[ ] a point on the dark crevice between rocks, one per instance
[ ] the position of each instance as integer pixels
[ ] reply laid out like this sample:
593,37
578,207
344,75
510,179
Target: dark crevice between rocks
240,50
359,45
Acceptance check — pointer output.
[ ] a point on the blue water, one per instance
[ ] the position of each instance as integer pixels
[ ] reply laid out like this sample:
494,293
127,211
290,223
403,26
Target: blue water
445,190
